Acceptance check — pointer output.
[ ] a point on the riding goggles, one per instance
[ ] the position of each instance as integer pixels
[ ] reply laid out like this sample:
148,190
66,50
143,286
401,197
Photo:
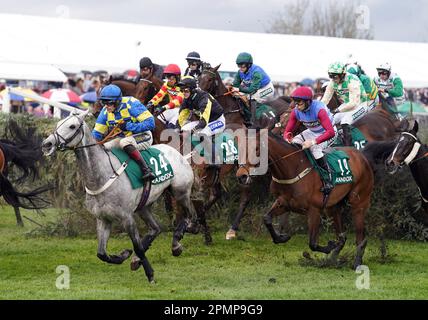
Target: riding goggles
334,75
108,102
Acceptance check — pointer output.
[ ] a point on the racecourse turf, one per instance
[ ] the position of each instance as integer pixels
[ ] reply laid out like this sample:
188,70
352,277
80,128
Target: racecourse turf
249,268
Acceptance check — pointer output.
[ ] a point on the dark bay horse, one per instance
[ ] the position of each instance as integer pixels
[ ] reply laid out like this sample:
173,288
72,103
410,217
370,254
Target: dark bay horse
411,151
23,150
210,81
296,186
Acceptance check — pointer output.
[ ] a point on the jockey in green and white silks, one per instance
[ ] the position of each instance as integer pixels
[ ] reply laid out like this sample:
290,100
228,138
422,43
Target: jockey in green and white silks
391,86
351,92
369,85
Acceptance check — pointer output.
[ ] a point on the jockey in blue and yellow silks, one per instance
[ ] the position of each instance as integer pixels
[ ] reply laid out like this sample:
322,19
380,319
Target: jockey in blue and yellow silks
133,118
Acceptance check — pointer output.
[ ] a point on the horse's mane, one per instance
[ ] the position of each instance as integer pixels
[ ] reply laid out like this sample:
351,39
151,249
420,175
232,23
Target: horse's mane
281,141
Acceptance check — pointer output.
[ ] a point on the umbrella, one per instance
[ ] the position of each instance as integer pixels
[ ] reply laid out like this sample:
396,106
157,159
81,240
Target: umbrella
89,97
17,97
307,82
130,73
62,95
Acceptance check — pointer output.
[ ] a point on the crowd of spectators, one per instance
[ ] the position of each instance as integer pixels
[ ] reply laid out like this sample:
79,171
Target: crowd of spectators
86,81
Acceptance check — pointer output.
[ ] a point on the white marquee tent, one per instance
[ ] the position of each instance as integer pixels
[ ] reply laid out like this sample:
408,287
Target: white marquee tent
74,45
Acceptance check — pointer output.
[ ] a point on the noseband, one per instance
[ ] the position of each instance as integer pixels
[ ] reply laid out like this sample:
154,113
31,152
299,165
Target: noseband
61,142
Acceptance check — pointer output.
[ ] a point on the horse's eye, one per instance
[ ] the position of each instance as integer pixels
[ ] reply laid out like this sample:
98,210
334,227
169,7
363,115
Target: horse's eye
72,127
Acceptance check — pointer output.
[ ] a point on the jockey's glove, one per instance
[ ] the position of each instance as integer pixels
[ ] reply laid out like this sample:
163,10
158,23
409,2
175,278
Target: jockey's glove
149,105
122,125
159,110
201,124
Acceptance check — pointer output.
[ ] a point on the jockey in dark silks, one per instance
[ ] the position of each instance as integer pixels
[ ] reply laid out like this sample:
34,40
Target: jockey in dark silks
147,67
194,63
205,107
135,121
320,132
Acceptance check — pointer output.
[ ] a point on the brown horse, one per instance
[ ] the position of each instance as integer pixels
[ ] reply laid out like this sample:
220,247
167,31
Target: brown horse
210,81
296,186
210,178
24,152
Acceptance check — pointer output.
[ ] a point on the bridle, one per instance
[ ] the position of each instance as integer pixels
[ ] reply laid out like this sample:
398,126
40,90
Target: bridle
413,153
61,142
213,76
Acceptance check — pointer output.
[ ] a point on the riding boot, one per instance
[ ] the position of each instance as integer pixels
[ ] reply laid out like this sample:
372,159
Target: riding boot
136,156
216,158
247,117
328,184
347,136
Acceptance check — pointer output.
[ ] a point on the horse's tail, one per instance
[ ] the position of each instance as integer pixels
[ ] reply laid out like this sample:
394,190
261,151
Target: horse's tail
24,149
377,152
29,200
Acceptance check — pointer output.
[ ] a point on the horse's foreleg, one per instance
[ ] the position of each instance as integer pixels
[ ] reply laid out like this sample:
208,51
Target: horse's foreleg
131,228
152,224
361,242
190,210
244,200
276,210
314,220
19,221
340,234
215,194
103,234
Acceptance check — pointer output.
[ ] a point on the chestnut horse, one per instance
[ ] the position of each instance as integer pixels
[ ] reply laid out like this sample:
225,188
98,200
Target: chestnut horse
296,186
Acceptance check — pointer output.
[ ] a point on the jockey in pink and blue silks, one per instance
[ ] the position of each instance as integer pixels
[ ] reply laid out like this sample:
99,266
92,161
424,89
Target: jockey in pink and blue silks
320,132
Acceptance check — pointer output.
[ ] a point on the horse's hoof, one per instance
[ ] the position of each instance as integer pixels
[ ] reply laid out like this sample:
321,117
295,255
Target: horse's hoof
282,238
193,228
306,255
135,263
231,234
125,254
177,251
208,240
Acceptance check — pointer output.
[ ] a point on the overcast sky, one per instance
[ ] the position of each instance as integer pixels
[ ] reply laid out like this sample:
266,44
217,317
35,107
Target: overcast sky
395,20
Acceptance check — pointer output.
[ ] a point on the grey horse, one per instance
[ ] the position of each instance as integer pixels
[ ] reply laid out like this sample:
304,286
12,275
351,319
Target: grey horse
118,202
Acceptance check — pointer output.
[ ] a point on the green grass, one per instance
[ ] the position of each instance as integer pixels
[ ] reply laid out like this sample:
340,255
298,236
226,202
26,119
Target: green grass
252,268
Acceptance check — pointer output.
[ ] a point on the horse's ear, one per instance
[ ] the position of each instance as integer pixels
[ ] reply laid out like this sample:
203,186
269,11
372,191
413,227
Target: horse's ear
415,127
216,68
82,115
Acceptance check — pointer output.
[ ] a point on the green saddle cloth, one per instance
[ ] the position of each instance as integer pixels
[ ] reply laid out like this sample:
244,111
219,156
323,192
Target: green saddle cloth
154,158
224,144
265,109
338,161
358,139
